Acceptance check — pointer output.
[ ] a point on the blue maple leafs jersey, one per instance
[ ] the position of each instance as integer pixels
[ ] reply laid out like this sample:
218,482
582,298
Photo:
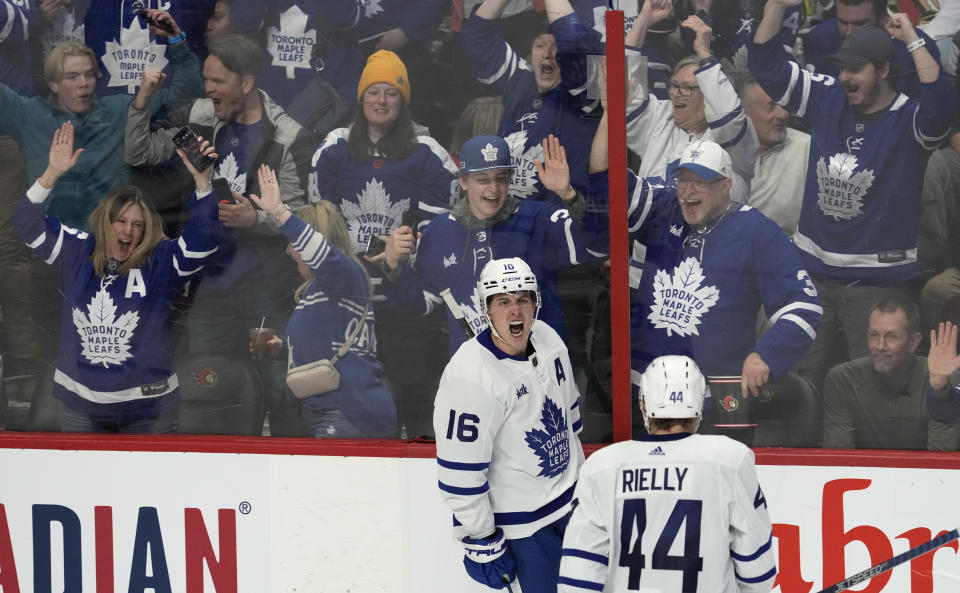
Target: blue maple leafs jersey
530,116
15,63
124,46
699,293
451,256
697,496
325,316
861,203
113,359
373,195
507,446
296,32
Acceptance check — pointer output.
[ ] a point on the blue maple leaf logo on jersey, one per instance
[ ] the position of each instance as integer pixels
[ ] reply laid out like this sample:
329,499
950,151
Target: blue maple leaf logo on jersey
551,444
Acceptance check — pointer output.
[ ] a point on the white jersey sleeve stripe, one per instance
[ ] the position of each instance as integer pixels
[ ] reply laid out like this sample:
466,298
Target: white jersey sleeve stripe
474,467
522,517
765,576
928,142
193,254
571,244
509,62
577,553
793,307
464,491
806,327
184,273
755,555
588,585
55,252
805,84
38,241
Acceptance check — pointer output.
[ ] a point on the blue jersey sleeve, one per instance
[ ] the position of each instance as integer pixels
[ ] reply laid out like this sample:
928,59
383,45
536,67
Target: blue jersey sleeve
575,41
13,23
330,266
438,177
931,126
788,84
789,299
46,237
202,237
494,61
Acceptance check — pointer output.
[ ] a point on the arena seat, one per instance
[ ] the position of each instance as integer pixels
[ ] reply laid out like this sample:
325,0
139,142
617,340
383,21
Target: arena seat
220,396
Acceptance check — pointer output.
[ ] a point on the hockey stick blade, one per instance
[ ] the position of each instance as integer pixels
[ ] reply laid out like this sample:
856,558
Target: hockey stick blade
892,562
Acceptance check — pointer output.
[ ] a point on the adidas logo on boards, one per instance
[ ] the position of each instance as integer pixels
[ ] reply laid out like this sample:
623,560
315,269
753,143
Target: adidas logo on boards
657,451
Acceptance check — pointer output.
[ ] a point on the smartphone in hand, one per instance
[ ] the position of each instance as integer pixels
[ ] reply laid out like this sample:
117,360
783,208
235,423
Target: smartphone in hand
188,142
222,191
411,218
141,11
375,246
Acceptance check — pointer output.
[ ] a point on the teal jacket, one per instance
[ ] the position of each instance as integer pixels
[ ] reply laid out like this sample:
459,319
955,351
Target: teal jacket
33,120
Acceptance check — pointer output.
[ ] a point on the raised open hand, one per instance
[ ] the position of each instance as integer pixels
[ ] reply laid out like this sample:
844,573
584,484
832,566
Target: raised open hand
269,198
942,360
554,172
62,155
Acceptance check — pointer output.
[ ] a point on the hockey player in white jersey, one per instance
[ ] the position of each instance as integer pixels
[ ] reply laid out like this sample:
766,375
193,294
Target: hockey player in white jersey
506,418
672,511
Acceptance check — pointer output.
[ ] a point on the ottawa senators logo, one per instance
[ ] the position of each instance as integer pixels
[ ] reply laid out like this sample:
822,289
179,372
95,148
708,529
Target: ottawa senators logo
730,403
206,378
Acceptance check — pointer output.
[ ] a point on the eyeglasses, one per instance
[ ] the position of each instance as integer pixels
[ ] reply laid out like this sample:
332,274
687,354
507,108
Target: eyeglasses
684,91
698,183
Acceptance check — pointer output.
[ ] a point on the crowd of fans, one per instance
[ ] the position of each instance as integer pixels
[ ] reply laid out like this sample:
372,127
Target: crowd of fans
794,183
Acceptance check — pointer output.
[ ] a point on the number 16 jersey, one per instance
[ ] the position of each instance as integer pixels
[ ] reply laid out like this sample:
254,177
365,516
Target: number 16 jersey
669,513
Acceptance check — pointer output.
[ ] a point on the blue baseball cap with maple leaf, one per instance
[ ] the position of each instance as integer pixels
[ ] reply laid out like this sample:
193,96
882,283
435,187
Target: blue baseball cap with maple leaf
483,153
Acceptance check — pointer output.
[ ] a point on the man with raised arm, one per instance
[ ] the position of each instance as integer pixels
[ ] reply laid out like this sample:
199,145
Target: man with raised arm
703,105
861,204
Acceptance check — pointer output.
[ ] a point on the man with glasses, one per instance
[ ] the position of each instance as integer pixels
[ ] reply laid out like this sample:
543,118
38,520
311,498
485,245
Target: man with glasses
707,264
703,105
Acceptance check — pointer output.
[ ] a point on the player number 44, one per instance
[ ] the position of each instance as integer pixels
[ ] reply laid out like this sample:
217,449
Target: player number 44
685,512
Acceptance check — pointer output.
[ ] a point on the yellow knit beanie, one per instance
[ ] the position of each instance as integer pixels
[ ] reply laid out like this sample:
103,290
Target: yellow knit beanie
385,66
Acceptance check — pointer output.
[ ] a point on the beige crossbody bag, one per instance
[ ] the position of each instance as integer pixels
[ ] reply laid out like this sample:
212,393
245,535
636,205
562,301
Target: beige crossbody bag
322,376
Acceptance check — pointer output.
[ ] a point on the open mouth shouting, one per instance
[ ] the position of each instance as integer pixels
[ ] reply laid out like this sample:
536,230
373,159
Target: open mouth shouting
516,328
691,208
123,249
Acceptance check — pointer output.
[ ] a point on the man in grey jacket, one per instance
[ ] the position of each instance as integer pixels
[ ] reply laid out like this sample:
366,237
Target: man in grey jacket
253,285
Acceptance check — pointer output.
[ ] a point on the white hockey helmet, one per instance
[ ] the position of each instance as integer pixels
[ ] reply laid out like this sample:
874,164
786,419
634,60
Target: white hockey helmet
510,274
672,387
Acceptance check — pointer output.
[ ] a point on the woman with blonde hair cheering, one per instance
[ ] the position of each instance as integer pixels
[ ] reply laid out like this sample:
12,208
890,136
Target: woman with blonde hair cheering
333,321
114,372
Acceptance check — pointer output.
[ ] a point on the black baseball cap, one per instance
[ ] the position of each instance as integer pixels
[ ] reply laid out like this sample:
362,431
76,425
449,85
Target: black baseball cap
865,44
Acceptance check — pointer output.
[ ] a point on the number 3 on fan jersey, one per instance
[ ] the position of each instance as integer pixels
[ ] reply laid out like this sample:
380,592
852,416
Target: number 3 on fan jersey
685,512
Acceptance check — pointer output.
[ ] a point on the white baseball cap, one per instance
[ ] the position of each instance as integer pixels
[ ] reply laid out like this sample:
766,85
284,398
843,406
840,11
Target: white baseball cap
706,159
